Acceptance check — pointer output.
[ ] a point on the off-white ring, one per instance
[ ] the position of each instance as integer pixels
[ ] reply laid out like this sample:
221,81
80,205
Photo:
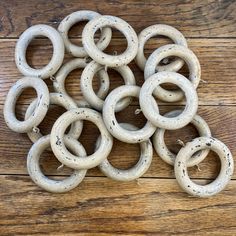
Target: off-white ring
101,57
138,169
50,185
74,18
86,84
152,113
226,171
166,155
59,100
173,50
40,111
24,41
58,146
59,81
124,135
164,30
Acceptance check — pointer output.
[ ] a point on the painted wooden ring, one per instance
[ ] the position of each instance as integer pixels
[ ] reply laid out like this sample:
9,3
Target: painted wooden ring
74,18
139,169
86,84
226,171
166,155
173,50
152,113
164,30
40,111
101,57
58,146
59,100
122,134
24,41
50,185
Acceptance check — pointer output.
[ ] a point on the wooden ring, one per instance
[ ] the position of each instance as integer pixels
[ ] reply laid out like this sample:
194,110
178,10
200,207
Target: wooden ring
152,113
40,111
24,41
226,171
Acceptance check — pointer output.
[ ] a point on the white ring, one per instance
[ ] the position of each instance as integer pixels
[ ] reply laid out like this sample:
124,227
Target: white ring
139,169
50,185
59,100
166,155
152,113
74,18
226,171
173,50
24,41
58,146
86,85
101,57
124,135
164,30
40,111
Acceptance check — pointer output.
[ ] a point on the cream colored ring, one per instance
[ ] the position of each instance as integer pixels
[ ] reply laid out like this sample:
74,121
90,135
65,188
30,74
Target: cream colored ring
74,18
79,63
50,185
226,171
152,113
59,100
164,30
101,57
86,84
166,155
58,146
40,111
24,41
173,50
139,169
124,135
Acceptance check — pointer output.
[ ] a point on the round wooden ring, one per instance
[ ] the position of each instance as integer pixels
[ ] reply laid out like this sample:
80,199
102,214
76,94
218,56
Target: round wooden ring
152,113
58,146
24,41
166,155
164,30
40,111
101,57
226,171
50,185
74,18
124,135
173,50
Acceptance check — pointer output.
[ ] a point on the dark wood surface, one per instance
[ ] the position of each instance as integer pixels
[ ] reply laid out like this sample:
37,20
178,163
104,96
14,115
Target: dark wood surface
154,204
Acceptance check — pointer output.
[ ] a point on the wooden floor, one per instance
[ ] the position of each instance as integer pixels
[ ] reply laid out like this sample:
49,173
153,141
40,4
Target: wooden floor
153,205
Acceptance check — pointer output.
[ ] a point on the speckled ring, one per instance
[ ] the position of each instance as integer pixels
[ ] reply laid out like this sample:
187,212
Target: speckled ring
86,83
40,111
23,43
152,113
166,155
164,30
58,146
124,135
74,18
50,185
139,169
173,50
101,57
59,81
59,100
226,171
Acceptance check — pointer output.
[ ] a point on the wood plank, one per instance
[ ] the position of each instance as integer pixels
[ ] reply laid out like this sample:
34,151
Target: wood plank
194,18
14,147
103,207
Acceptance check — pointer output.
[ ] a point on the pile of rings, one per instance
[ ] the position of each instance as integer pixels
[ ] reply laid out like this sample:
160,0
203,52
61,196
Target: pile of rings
100,107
